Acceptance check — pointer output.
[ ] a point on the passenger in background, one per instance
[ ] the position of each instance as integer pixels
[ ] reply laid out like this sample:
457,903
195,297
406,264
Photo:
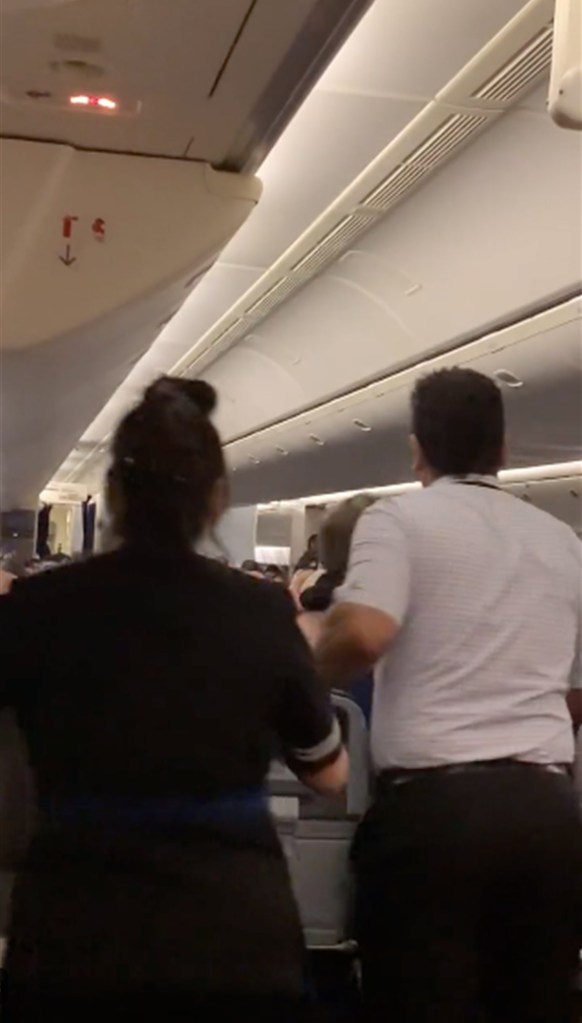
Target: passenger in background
334,543
152,685
469,863
310,559
251,567
275,574
303,580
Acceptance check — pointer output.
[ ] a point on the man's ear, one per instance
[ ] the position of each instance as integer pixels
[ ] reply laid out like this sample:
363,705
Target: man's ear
418,458
422,469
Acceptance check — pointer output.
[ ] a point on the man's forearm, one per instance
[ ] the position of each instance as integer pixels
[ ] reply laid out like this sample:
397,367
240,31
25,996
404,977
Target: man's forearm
338,659
352,641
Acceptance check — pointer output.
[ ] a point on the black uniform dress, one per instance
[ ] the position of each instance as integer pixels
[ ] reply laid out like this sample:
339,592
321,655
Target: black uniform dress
151,692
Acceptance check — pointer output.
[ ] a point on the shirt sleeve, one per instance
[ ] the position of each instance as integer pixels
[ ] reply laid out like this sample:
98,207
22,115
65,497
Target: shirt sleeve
305,723
379,569
576,672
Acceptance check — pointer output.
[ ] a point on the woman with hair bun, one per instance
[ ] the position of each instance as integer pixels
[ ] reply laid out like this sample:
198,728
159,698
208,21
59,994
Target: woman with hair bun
152,687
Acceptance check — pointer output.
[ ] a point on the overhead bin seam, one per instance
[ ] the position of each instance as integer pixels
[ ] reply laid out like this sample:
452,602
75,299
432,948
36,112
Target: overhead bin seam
538,323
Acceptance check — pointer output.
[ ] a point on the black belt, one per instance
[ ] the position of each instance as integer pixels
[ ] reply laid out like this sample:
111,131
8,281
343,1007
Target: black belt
400,776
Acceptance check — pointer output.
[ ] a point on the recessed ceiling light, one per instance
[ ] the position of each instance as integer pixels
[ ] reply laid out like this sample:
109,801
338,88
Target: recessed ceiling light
316,440
362,426
505,376
282,451
255,461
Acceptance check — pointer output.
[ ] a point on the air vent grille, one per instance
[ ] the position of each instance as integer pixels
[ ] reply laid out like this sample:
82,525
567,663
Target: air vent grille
331,246
228,336
521,72
235,329
453,133
272,298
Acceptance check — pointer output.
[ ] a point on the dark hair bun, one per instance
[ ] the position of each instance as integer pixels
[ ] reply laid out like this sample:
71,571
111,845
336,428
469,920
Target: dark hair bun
201,394
197,393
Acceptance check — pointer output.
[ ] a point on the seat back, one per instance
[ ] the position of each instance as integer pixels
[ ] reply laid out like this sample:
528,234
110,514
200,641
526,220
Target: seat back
316,833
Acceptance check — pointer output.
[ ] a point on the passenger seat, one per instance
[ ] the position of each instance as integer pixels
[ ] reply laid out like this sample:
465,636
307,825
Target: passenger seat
317,833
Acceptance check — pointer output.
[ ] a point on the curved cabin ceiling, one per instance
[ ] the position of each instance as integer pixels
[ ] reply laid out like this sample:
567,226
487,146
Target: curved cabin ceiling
98,98
479,264
485,240
379,91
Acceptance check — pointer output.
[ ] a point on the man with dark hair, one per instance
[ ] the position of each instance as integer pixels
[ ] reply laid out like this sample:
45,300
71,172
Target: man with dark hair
458,424
468,601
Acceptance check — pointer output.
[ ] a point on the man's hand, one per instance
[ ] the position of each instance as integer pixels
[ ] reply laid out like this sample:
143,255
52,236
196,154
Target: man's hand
354,638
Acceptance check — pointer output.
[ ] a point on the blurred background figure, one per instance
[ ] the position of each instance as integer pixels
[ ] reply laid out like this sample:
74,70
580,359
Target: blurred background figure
250,567
317,595
310,558
307,569
275,574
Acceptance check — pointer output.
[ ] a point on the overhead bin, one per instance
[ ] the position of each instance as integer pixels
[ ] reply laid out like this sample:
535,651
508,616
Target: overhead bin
86,233
113,114
212,80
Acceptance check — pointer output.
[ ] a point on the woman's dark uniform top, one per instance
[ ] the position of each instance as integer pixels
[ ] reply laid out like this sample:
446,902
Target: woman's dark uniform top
152,690
157,688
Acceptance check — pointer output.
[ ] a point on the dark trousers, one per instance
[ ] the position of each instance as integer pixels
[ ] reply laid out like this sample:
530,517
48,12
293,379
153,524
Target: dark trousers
469,898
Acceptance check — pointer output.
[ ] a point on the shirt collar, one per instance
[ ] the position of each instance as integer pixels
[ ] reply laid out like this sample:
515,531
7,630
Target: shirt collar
488,481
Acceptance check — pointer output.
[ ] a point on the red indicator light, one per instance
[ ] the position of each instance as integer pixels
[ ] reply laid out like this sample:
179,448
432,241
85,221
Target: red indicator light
101,102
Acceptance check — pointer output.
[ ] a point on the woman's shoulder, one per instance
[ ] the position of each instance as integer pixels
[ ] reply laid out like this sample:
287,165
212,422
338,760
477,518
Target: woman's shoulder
249,589
62,579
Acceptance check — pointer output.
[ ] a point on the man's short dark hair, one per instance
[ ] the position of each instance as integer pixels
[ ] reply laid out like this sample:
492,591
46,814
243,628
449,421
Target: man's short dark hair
459,422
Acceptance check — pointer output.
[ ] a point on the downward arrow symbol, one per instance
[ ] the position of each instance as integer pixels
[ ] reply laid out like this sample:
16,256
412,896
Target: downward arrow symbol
67,259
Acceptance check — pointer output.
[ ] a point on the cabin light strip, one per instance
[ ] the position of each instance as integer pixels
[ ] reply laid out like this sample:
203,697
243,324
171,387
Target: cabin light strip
533,474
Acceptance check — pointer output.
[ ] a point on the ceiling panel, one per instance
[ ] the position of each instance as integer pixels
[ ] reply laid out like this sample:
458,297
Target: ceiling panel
492,236
326,146
226,282
416,46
